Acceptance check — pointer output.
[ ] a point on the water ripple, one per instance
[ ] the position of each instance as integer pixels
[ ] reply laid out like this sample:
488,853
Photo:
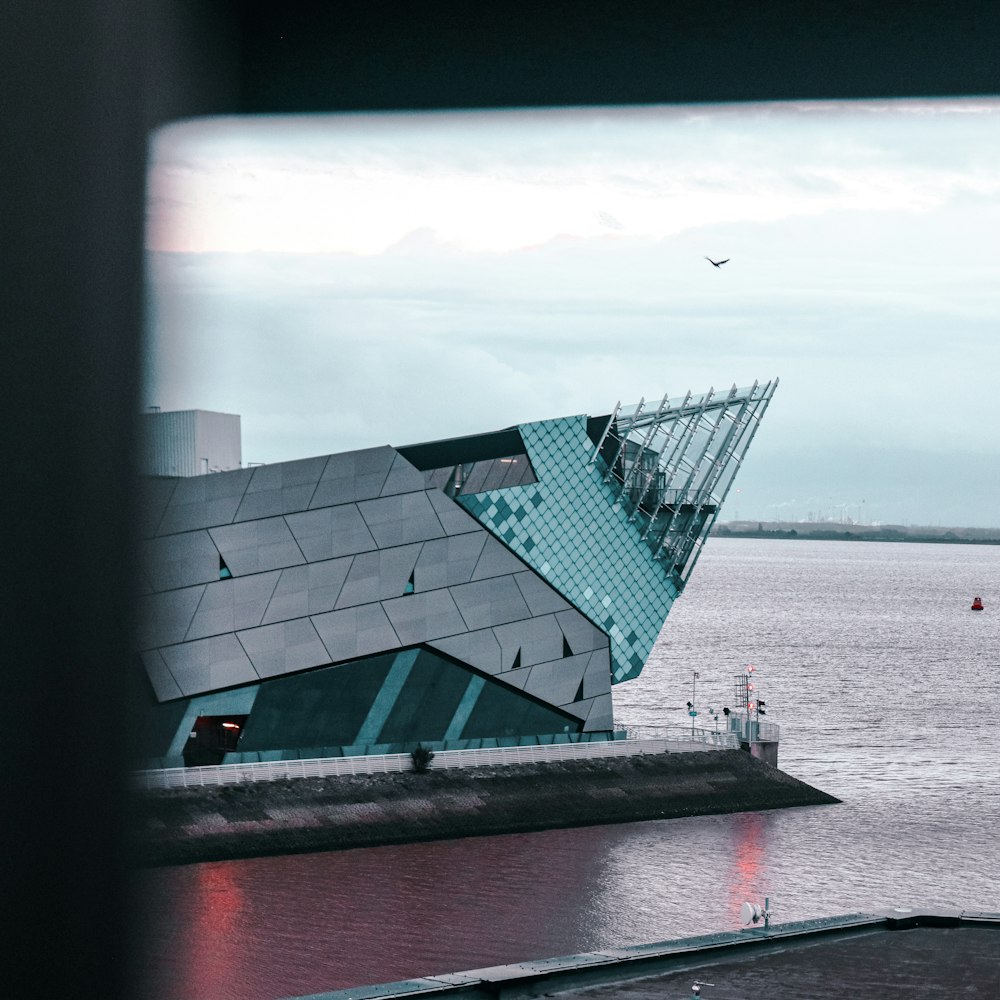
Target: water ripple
887,690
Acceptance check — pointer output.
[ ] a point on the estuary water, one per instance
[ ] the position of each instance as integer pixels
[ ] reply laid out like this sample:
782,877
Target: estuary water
887,690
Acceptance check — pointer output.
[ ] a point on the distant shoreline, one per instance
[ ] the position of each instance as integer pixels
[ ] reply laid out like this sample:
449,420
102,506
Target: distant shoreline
855,533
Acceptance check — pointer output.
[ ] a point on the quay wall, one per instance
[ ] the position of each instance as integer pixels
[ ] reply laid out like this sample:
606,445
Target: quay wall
765,750
187,825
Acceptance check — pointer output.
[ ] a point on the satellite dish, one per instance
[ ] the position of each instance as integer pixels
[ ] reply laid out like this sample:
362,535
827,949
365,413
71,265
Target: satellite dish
751,913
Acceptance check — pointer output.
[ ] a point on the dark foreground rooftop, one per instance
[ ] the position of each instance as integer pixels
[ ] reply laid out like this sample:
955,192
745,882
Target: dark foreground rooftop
905,954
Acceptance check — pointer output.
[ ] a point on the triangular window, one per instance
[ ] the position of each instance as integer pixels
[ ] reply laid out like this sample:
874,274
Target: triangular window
566,650
224,573
579,693
517,659
408,589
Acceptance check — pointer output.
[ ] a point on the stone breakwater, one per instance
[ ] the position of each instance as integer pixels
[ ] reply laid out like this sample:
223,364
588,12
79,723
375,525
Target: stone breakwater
183,826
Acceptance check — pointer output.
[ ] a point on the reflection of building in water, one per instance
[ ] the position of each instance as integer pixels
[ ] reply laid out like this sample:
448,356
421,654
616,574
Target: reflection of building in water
471,592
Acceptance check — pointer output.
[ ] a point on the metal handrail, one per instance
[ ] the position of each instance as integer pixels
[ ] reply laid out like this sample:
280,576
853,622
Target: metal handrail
228,774
685,734
754,730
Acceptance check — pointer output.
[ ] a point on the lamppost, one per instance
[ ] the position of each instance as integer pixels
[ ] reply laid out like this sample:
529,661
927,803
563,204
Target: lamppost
692,711
755,705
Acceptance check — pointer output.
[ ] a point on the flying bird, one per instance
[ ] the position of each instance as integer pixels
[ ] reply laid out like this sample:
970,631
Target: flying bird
717,263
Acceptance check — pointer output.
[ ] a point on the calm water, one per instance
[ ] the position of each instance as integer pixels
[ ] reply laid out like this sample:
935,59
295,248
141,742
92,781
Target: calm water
887,690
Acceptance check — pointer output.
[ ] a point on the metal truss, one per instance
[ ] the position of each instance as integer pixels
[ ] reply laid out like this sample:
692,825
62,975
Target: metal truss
673,466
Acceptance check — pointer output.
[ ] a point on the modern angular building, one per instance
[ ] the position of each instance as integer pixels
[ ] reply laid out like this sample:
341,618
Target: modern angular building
480,591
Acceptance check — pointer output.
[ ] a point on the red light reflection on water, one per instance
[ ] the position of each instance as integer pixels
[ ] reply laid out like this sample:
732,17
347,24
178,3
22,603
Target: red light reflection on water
748,855
203,945
301,924
217,908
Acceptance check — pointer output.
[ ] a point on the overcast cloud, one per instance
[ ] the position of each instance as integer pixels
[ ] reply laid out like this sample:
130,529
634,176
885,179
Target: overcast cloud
348,281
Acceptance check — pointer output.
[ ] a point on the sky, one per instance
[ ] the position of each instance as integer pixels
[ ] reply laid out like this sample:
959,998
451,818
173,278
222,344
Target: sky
357,280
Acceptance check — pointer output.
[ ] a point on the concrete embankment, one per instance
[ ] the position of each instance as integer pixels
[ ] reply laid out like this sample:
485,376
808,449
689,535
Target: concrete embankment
181,826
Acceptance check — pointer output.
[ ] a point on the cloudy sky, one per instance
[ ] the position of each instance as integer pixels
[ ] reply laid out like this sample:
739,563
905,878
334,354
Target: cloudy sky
348,281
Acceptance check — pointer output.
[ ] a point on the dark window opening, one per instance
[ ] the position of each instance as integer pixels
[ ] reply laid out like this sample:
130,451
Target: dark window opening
211,738
224,572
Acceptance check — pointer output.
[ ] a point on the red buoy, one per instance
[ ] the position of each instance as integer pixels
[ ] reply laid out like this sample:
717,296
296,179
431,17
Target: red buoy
977,604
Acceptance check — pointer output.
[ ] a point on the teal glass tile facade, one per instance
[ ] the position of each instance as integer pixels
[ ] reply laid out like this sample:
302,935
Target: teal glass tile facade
482,590
569,528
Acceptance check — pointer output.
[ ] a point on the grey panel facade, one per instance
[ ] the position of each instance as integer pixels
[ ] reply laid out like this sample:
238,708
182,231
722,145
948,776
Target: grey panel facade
421,617
284,647
580,633
281,489
557,681
479,649
209,664
402,478
356,475
355,632
496,560
308,590
162,680
443,619
257,546
601,715
180,561
444,562
164,619
328,532
532,641
538,595
204,501
396,520
454,520
280,585
338,558
231,605
490,602
376,576
598,670
154,495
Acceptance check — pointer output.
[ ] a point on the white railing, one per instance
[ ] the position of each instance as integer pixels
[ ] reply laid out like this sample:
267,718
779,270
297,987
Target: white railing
768,731
753,730
685,734
230,774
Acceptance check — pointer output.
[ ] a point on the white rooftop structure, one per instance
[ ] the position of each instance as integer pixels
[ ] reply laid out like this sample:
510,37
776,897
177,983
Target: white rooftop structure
189,442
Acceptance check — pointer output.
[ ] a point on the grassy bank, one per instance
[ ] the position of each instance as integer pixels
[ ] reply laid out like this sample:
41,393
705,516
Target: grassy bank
181,826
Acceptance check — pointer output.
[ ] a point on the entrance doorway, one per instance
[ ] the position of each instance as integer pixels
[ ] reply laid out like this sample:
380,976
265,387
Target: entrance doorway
212,737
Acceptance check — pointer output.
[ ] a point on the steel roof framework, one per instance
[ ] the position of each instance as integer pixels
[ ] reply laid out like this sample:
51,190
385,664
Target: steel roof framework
674,464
